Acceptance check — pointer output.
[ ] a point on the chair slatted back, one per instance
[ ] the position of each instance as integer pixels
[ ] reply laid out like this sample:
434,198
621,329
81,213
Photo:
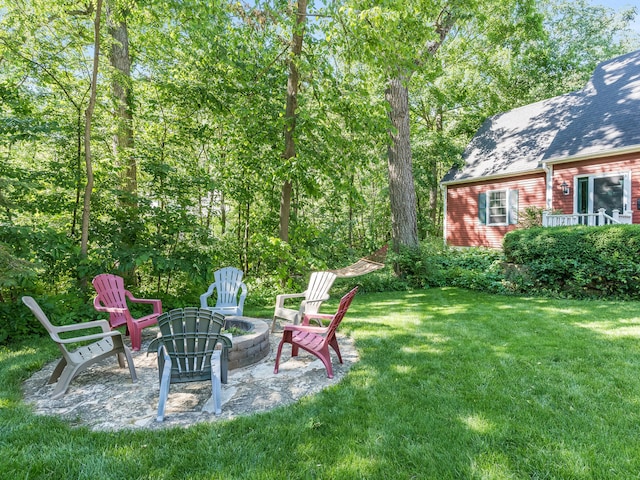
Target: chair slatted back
111,294
319,285
228,281
345,302
40,315
190,336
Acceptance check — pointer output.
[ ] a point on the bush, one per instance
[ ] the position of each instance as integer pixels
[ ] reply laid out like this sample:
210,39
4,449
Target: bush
576,261
436,265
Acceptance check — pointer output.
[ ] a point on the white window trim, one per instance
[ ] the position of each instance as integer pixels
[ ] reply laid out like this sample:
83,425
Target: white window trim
626,189
488,208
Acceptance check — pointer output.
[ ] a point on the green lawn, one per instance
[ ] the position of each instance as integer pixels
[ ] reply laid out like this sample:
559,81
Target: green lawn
451,384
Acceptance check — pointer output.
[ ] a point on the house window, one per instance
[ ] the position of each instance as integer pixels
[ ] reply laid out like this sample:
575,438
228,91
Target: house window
498,207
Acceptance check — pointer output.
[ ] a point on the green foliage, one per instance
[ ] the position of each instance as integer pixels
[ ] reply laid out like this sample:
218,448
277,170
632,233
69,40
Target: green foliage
436,265
209,86
576,261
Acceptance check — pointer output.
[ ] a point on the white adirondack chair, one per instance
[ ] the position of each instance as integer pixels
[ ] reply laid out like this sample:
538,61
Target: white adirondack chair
316,293
81,351
231,292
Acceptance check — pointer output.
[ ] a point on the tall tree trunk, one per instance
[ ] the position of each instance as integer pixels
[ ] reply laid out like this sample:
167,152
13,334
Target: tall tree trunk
245,240
402,191
86,210
290,115
433,188
122,144
78,171
122,93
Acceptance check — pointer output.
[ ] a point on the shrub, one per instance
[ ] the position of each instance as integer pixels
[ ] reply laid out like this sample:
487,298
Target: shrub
436,265
576,261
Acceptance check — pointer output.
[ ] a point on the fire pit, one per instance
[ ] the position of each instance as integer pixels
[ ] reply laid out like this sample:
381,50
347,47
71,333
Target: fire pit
251,347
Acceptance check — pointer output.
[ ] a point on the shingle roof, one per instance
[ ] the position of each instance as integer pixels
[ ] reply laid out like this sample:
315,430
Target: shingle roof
604,115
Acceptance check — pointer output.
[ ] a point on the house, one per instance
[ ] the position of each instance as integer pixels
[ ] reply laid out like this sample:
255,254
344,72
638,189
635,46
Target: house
576,156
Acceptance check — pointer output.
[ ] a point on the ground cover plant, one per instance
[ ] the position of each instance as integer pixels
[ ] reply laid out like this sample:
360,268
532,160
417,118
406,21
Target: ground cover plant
451,383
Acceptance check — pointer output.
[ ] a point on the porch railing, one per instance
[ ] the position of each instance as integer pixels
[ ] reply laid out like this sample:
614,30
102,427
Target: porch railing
590,219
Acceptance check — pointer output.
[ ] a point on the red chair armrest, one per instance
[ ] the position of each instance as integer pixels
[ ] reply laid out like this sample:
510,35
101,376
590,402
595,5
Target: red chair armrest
157,304
305,328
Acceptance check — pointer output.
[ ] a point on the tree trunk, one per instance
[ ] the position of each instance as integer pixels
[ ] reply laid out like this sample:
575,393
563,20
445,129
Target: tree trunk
402,192
123,137
433,188
245,240
290,115
84,243
122,92
285,210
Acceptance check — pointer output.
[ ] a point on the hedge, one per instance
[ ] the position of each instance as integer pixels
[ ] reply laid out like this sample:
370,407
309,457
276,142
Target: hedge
575,261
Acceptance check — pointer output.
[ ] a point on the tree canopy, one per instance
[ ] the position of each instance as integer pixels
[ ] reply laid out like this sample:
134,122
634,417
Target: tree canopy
180,167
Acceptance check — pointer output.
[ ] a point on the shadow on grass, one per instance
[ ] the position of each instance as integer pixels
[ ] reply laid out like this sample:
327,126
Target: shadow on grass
451,384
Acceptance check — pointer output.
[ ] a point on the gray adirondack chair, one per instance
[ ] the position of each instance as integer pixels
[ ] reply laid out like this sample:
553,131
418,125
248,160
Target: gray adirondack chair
104,344
231,292
316,293
186,348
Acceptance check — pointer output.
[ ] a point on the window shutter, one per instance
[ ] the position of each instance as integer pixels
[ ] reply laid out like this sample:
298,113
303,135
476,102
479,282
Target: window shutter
513,207
482,208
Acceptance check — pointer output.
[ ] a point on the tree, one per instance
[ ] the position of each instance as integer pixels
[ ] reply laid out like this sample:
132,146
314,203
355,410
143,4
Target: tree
290,112
396,40
402,39
86,210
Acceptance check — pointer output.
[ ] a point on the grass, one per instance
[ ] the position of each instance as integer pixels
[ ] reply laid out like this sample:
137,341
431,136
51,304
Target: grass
451,384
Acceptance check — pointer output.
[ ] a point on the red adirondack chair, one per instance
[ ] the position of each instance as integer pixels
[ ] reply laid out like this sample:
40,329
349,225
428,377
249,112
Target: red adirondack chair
316,340
112,298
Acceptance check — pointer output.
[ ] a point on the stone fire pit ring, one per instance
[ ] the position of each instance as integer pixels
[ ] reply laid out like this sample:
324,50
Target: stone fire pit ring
251,347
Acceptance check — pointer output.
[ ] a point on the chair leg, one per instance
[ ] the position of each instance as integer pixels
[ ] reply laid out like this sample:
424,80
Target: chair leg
325,358
57,371
67,375
165,382
132,368
336,348
273,325
277,366
136,338
120,357
216,388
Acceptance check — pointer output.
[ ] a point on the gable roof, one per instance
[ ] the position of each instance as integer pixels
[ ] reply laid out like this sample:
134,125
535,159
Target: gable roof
603,116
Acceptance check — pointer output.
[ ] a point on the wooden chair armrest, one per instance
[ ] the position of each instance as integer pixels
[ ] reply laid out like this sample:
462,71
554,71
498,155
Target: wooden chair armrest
286,296
280,299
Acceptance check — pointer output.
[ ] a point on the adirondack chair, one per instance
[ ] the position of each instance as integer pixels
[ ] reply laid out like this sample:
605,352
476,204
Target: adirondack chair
73,362
316,340
112,298
187,351
228,283
316,293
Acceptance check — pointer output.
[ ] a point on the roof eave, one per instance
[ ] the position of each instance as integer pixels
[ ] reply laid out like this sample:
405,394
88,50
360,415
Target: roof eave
492,177
589,156
552,161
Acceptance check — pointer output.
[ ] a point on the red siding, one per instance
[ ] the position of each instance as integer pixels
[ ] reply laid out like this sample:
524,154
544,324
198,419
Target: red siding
463,227
567,172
